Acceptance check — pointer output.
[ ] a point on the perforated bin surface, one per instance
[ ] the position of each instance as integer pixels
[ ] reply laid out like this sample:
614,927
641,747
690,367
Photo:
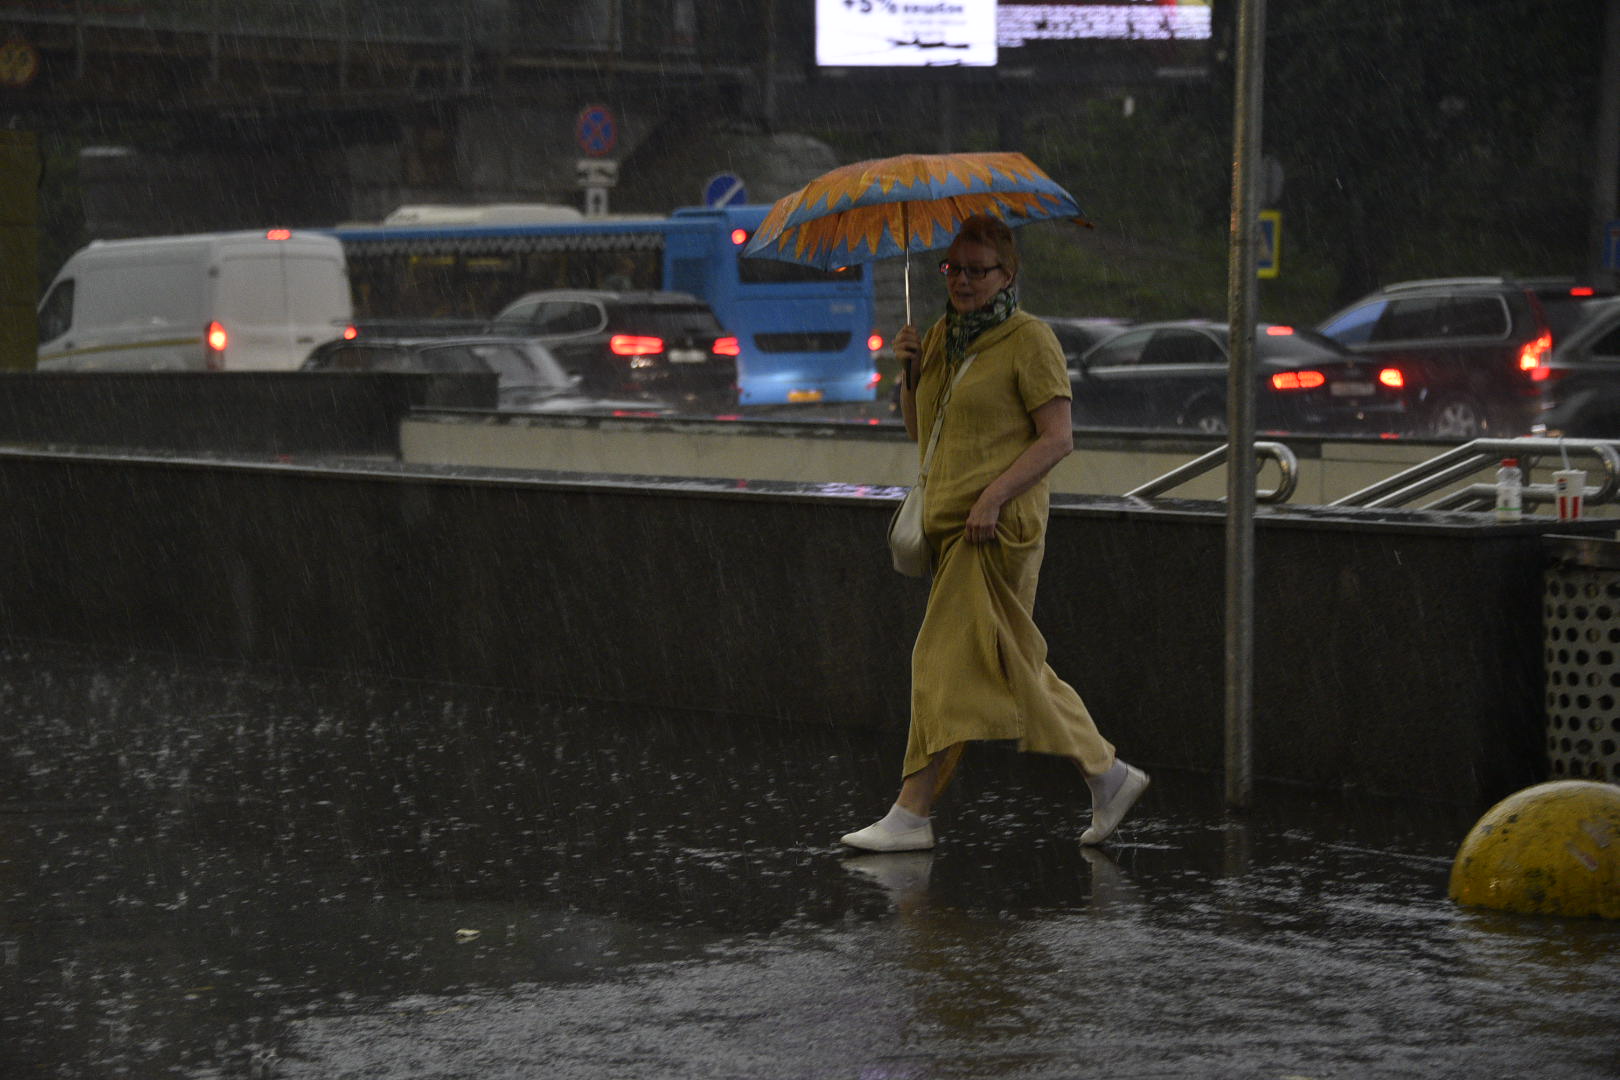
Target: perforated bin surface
1581,614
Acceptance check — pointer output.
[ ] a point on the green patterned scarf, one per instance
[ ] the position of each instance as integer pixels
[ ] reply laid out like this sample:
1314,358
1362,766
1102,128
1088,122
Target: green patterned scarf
962,328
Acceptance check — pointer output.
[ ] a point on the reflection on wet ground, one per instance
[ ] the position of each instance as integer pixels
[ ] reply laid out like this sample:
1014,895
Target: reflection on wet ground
207,872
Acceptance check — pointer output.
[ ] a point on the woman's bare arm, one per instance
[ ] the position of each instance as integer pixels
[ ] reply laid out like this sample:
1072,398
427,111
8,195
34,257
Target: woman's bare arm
908,350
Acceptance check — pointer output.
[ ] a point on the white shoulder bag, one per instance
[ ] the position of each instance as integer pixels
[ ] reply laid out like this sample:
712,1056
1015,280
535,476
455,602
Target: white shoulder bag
908,547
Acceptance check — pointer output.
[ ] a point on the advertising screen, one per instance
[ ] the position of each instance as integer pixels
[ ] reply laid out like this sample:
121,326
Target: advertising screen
1019,23
969,33
906,33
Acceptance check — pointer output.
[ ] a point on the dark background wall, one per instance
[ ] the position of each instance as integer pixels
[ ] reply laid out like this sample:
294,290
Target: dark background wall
1394,651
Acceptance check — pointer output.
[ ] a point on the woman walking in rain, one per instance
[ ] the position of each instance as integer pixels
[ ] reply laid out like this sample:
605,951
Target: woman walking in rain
993,377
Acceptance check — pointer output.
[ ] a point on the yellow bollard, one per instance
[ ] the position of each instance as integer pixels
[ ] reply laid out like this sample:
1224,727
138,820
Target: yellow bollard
1551,849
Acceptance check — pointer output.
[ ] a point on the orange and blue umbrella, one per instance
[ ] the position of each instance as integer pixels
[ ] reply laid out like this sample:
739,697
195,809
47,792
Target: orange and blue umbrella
878,209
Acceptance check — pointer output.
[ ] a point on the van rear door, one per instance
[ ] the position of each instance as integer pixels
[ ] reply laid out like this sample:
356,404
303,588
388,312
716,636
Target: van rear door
250,304
279,298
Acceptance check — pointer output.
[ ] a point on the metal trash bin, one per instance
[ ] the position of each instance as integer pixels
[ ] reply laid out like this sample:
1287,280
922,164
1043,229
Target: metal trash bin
1581,619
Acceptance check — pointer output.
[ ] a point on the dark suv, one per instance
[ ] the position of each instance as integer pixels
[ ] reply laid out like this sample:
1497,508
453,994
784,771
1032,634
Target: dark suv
1472,350
663,344
1581,393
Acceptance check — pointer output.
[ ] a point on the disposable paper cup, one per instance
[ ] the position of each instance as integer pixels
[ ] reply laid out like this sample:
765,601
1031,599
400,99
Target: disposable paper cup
1570,486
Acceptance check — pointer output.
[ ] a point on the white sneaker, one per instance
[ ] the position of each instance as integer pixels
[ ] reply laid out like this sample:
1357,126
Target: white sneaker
875,838
1106,818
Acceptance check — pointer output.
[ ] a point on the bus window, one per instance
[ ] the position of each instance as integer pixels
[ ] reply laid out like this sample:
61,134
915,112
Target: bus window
756,271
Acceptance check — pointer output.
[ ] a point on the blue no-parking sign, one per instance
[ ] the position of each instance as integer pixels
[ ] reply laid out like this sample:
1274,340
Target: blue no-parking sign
724,189
596,131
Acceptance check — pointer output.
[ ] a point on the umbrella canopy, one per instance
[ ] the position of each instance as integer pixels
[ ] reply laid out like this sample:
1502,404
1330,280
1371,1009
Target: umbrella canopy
915,202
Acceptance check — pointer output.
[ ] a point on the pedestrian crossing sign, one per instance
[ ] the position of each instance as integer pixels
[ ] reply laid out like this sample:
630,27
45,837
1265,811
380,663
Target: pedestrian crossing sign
1267,245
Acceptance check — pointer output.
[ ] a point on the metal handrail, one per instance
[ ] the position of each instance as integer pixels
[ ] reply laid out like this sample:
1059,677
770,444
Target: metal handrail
1287,466
1472,457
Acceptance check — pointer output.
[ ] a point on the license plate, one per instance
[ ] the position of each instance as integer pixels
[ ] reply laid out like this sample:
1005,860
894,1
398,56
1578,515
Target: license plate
1351,389
804,395
687,356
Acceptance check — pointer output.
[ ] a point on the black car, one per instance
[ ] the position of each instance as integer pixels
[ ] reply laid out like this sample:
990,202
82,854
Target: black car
1471,349
1174,375
664,344
528,377
1580,385
1080,334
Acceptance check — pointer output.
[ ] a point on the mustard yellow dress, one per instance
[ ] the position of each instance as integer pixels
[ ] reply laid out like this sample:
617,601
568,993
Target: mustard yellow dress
979,668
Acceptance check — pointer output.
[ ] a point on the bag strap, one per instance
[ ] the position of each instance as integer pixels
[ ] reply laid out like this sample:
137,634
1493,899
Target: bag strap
939,416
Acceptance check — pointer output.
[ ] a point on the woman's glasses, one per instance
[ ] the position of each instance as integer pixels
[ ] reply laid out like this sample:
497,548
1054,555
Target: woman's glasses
973,273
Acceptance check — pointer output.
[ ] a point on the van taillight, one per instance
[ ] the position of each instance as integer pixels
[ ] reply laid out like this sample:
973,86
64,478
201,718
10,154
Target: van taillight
727,346
635,345
1534,352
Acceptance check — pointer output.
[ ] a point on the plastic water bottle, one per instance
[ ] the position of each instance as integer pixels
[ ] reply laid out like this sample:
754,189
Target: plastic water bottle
1509,491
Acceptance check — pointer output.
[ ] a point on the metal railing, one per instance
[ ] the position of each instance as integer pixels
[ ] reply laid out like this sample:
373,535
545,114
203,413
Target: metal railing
1481,454
1287,466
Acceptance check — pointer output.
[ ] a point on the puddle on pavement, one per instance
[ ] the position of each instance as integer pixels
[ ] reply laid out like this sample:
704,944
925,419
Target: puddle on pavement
209,871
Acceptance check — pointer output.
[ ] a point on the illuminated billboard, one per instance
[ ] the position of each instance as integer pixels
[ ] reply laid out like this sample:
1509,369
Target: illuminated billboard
969,33
906,33
1020,22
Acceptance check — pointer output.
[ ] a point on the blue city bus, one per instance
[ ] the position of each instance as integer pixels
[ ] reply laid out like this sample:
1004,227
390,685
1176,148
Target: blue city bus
806,335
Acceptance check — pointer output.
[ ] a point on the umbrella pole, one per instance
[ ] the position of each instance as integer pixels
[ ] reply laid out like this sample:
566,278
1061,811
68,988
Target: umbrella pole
908,286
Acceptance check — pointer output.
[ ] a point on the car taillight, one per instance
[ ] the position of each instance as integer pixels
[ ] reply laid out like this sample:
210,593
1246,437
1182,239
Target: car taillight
1297,380
351,332
727,346
635,345
1534,352
873,379
1279,331
875,342
1392,377
1544,373
278,234
1583,290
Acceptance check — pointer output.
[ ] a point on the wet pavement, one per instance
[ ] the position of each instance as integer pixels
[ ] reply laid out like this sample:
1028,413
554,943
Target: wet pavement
209,871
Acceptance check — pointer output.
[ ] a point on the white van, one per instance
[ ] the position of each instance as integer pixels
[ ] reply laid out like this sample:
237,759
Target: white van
236,301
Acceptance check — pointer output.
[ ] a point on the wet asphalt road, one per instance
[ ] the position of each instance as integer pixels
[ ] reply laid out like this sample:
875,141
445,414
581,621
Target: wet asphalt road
207,871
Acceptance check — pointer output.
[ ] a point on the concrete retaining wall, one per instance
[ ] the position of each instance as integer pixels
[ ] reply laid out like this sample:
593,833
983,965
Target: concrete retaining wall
280,412
1393,651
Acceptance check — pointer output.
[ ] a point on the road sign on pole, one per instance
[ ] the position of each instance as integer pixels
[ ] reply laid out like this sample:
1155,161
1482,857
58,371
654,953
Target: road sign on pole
724,189
1267,250
596,130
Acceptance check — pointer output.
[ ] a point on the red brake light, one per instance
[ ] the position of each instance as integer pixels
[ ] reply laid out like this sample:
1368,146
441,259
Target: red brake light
875,342
1534,352
739,237
1583,290
278,234
1392,377
727,346
874,378
1279,331
350,332
216,337
634,345
1297,380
